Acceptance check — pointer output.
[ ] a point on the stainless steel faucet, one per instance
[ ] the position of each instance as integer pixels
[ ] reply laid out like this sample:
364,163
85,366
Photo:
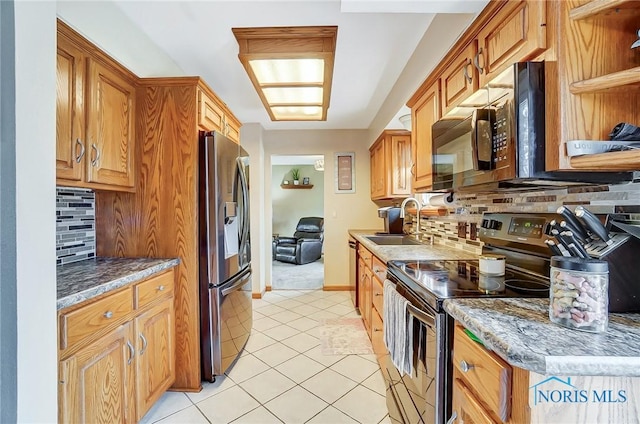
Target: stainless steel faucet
418,209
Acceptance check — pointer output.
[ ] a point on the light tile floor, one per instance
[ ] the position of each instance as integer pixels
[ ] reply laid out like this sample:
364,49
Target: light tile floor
282,376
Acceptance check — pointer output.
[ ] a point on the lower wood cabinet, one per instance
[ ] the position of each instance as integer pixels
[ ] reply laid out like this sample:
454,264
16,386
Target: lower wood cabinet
116,372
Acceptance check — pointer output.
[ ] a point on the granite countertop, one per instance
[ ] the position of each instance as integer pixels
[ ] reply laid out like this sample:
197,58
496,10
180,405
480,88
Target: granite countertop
519,331
80,281
425,252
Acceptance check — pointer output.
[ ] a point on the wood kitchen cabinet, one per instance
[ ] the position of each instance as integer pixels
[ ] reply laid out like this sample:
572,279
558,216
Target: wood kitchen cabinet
460,79
117,353
95,116
424,113
213,115
391,165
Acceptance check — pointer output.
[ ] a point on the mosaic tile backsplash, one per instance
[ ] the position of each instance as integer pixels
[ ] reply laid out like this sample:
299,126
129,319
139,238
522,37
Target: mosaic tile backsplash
75,225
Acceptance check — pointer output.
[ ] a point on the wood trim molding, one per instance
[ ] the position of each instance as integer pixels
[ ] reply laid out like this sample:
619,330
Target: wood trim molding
337,288
268,288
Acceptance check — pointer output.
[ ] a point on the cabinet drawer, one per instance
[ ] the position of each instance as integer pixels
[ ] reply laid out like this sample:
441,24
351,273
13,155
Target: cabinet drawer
365,255
466,407
484,373
379,269
377,294
377,337
89,319
153,288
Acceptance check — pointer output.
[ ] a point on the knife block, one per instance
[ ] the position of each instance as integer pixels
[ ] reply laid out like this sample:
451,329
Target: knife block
624,278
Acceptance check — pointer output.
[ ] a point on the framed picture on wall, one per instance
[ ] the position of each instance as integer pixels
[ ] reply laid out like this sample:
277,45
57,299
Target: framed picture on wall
345,175
305,181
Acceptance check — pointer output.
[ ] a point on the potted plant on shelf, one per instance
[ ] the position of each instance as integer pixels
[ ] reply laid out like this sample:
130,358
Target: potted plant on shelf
295,175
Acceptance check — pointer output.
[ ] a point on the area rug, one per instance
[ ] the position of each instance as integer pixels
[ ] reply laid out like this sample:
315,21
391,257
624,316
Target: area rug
285,276
344,336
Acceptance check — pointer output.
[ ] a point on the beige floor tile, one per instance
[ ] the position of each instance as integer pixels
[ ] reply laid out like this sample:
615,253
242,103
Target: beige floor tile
292,294
326,360
352,314
259,303
340,309
273,297
263,324
191,415
295,406
376,383
355,367
282,332
257,341
270,309
301,342
168,404
289,304
371,358
303,324
305,309
331,415
324,314
246,367
275,354
363,405
322,303
267,385
385,420
285,316
259,415
300,368
209,389
227,406
329,385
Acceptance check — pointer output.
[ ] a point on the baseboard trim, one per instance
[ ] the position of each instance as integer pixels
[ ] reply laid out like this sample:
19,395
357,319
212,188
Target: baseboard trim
268,288
336,288
256,295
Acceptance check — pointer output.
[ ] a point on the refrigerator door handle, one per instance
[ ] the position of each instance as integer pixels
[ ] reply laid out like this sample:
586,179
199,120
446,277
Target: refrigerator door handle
245,204
239,283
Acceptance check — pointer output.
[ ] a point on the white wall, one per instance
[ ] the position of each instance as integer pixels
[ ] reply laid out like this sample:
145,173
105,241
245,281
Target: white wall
341,211
35,210
289,205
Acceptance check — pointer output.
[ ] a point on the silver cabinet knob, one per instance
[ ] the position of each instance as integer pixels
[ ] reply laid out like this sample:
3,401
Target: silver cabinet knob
160,288
108,314
465,366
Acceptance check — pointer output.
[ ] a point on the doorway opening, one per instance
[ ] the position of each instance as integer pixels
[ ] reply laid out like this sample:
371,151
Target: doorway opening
297,225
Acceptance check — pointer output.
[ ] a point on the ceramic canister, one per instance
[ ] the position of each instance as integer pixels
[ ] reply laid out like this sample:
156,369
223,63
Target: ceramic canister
492,264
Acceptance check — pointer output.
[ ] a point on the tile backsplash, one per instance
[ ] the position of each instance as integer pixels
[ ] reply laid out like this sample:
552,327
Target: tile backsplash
75,225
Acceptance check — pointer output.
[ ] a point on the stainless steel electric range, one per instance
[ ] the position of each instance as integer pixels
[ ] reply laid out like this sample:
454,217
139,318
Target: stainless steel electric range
425,396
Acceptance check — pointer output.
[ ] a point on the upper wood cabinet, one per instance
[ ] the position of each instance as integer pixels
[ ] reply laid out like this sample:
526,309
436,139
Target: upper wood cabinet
460,79
391,165
213,115
95,117
424,113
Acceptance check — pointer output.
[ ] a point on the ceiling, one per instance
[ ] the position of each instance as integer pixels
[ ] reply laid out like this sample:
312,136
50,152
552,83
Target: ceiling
376,40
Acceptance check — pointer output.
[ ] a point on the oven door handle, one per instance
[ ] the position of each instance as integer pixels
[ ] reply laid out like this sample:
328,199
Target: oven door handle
421,316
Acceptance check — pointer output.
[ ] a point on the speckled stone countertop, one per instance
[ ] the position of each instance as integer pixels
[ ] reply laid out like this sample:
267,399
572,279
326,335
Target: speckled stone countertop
409,252
519,330
80,281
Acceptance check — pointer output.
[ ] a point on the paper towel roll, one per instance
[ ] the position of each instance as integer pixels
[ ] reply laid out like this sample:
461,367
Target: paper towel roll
441,199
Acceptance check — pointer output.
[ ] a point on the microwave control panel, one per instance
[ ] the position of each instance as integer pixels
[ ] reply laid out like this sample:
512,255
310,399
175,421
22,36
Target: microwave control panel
501,136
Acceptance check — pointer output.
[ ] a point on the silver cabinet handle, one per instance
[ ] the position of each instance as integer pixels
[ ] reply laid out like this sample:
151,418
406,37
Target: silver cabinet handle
476,61
465,366
160,288
108,314
94,162
81,154
377,329
378,294
132,352
413,166
454,416
144,344
465,70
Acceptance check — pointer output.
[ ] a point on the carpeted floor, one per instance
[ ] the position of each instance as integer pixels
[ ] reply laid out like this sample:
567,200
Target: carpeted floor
286,276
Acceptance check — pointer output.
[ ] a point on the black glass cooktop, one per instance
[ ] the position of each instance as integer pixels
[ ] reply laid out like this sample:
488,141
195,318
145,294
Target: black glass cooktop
446,279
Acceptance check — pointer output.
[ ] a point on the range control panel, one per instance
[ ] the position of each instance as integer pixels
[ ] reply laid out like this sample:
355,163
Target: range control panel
521,228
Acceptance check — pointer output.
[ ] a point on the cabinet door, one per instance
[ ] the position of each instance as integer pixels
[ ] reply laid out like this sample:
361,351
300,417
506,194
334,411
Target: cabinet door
110,118
423,115
70,142
367,300
399,165
460,79
154,330
516,33
96,384
377,171
210,114
466,407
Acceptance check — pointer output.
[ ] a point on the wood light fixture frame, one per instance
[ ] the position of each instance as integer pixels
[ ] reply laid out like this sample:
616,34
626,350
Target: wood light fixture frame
311,42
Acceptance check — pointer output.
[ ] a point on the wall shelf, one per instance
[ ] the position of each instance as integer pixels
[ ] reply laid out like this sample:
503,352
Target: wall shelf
603,7
606,82
613,161
297,187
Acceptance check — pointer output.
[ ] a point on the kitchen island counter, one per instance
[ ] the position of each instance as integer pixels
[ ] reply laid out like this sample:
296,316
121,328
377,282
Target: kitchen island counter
84,280
424,251
519,331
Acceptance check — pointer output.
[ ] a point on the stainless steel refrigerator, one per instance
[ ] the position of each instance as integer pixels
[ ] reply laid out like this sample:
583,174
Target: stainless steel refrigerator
225,252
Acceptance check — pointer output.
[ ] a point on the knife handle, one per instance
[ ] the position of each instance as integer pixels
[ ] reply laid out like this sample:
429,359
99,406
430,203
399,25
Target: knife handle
568,227
575,247
553,247
593,223
575,224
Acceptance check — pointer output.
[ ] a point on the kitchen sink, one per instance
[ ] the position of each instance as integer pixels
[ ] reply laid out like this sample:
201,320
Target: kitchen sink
393,240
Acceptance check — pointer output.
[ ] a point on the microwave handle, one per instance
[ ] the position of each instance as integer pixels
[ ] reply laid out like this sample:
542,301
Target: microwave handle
482,139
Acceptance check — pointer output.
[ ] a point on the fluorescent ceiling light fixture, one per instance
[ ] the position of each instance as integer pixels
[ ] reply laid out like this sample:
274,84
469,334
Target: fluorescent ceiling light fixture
291,68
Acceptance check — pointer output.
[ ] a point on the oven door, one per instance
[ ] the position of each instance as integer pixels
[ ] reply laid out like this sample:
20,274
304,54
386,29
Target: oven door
423,396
